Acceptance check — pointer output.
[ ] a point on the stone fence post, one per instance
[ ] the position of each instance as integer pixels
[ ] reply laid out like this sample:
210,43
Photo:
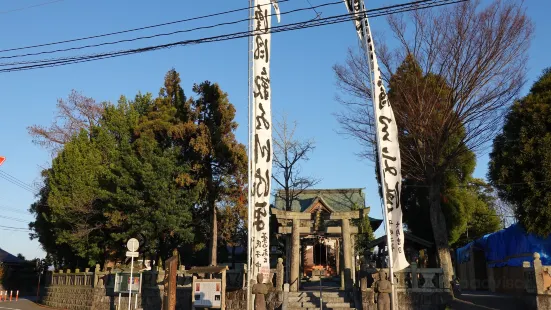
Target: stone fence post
280,272
414,275
285,303
539,271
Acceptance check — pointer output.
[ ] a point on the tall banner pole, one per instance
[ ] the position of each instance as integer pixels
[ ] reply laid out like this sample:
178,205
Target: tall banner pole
388,150
249,155
260,143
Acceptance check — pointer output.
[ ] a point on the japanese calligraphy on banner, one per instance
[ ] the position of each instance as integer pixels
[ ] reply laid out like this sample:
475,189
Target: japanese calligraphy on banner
387,140
261,165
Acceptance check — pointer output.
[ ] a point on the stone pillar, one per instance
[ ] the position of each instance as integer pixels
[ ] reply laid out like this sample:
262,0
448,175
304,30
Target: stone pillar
354,262
288,242
414,275
347,253
284,305
338,255
538,271
295,256
279,275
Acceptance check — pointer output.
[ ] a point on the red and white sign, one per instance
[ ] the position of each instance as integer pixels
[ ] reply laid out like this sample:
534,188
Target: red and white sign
2,159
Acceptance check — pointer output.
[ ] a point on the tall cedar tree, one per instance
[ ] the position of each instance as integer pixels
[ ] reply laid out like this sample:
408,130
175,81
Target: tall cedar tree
75,198
520,163
206,131
121,179
454,47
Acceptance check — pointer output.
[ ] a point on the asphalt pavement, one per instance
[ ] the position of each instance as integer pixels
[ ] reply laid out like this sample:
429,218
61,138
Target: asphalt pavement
21,304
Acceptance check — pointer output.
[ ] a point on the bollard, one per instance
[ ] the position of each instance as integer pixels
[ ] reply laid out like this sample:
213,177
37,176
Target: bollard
1,295
11,293
17,295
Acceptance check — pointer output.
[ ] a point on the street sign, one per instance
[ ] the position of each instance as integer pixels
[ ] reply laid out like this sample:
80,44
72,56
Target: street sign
2,159
132,254
133,245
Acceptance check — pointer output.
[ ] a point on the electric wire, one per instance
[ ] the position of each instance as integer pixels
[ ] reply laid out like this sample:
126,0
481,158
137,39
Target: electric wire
13,210
158,35
6,176
132,30
14,228
29,7
400,8
13,219
295,26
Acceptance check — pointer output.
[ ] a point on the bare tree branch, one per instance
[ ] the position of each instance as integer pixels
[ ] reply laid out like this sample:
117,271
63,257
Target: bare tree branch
289,152
76,113
481,54
452,77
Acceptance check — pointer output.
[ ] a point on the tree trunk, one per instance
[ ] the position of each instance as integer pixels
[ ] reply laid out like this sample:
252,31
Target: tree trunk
233,257
440,232
214,235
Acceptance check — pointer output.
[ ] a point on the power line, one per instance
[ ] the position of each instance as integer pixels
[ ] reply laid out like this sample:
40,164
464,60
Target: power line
30,7
6,176
481,185
14,228
150,36
133,30
13,219
400,8
314,9
344,17
14,210
16,181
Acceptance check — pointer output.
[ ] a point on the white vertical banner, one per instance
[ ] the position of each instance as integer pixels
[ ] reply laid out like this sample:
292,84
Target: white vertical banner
388,148
261,140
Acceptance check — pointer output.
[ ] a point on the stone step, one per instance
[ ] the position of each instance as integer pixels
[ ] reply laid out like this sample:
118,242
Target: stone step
324,308
317,294
327,299
325,305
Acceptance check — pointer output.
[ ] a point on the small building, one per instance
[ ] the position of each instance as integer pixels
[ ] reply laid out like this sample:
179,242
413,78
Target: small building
497,261
317,231
7,259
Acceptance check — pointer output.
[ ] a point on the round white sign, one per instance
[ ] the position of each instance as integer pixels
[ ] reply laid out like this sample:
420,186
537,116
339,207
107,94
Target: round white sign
132,245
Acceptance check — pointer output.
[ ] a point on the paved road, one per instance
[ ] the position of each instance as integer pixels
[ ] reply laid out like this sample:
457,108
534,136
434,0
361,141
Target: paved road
487,301
21,304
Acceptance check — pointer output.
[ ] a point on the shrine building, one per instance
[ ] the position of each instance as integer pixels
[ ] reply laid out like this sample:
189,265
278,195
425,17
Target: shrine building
318,232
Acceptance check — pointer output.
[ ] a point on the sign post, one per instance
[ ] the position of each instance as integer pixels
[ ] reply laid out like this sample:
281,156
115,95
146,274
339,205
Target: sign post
132,245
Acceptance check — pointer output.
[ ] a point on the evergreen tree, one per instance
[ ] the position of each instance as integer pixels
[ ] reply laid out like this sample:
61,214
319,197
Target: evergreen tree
218,161
520,162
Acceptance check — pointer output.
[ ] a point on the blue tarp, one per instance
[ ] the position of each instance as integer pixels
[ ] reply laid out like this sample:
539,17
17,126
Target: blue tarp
501,246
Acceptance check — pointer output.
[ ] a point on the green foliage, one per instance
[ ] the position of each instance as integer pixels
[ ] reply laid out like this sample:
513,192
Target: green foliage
458,201
151,169
219,162
520,162
365,235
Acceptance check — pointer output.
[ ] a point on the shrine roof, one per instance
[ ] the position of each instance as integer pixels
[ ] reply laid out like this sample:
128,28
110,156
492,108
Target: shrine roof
337,200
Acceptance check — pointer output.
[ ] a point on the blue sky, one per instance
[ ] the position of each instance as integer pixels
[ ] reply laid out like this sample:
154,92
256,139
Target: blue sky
303,84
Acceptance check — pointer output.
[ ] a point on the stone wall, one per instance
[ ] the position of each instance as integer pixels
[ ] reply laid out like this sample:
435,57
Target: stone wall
237,300
88,298
408,300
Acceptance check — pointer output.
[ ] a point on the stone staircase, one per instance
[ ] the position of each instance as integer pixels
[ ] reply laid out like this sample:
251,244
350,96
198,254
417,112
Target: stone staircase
312,301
